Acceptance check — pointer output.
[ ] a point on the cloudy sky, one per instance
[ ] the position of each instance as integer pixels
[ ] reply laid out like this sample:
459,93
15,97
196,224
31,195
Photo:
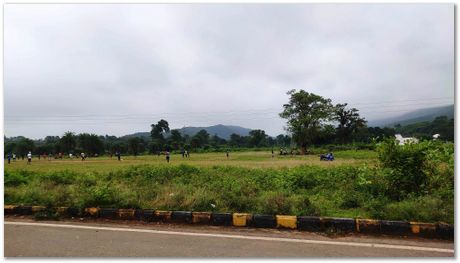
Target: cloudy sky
115,69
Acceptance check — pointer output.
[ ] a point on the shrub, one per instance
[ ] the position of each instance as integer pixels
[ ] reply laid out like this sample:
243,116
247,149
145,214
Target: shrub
14,179
405,165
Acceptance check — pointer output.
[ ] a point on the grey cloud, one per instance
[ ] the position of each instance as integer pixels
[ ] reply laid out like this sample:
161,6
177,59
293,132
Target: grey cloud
148,60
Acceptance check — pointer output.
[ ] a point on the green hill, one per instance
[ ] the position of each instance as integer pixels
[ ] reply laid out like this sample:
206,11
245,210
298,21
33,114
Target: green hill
426,114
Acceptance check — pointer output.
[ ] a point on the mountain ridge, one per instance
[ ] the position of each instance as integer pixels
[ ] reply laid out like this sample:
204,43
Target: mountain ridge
418,115
223,131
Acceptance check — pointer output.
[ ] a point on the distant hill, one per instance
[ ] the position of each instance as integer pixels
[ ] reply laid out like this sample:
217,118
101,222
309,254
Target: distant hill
427,114
223,131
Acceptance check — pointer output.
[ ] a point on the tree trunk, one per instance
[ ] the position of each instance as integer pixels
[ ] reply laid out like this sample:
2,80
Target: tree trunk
303,149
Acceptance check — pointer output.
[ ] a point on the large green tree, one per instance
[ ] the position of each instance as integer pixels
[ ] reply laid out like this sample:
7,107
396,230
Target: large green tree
24,145
306,113
200,139
157,134
176,139
257,138
135,145
90,143
68,142
349,122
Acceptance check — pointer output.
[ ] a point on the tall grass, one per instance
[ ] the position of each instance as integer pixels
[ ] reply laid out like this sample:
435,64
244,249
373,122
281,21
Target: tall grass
341,190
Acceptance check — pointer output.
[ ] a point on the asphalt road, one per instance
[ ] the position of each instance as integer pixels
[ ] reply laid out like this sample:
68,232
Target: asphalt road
26,238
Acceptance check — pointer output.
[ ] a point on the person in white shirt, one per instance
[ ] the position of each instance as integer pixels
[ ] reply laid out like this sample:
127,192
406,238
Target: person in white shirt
29,157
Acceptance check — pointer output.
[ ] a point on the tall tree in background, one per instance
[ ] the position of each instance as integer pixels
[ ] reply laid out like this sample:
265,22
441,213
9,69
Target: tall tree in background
90,143
236,140
349,122
200,139
176,139
157,134
52,144
68,142
24,145
306,113
257,138
135,145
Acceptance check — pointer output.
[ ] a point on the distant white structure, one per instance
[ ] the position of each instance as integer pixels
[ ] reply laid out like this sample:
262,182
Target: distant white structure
403,140
436,136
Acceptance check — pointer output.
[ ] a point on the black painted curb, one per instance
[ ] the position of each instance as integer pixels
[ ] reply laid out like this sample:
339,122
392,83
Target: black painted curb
181,217
264,221
222,219
302,223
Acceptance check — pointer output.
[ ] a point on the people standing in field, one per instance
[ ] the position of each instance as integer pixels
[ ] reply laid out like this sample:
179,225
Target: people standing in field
9,158
167,156
70,156
273,153
228,154
14,157
29,158
187,154
183,153
118,155
83,156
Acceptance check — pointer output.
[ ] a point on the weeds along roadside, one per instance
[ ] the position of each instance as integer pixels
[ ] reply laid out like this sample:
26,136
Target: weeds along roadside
341,191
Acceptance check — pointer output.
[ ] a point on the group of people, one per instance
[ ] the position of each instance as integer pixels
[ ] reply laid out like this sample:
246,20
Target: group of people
13,156
326,157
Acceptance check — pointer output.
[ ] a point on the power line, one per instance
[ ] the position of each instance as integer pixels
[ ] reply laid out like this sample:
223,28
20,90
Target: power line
209,116
248,111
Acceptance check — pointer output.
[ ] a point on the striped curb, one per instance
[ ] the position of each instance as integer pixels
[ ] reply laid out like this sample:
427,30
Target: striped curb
241,219
302,223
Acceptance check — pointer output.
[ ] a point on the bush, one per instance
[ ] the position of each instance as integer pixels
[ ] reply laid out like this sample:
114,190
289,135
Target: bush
405,165
422,209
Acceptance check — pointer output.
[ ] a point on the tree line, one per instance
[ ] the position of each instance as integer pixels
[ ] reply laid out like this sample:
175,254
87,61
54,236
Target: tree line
311,121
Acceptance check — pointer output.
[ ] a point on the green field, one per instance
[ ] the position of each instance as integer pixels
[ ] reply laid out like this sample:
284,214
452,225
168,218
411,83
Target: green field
354,185
240,159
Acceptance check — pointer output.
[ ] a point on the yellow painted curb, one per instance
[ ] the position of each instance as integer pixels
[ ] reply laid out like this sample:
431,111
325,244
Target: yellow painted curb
38,208
284,221
416,227
92,211
241,219
126,213
10,207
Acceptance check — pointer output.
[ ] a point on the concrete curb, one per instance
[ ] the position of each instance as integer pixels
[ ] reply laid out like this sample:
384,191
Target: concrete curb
303,223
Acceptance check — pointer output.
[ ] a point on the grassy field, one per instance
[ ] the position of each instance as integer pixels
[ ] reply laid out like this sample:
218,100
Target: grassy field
239,159
354,185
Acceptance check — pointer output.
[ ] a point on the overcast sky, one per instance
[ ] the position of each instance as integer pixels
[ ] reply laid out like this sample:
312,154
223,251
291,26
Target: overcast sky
115,69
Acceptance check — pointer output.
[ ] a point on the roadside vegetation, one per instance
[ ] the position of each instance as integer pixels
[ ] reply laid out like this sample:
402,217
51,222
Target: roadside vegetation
411,182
